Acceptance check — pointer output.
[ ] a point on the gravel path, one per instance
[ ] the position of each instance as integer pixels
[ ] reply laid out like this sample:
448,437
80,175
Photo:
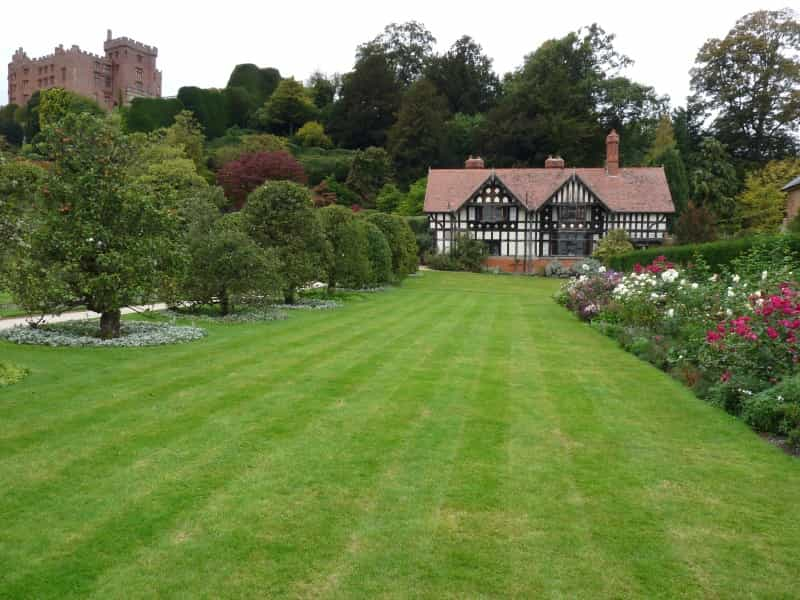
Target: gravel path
76,315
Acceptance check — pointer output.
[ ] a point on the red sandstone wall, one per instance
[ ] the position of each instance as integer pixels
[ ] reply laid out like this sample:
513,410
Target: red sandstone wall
509,264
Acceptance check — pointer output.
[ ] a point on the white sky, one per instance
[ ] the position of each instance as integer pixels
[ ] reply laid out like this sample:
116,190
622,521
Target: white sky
199,45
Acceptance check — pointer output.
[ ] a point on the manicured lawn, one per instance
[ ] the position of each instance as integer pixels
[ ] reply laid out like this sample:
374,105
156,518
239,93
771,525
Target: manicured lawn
461,437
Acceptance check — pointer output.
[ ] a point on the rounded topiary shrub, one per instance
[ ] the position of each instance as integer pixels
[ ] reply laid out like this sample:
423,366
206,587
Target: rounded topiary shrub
86,333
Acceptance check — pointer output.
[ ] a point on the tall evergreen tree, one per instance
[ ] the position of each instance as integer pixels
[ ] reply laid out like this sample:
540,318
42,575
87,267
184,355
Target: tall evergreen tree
664,152
416,140
464,76
366,109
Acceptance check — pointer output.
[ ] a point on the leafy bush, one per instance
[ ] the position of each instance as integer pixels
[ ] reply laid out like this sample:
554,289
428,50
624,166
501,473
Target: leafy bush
87,333
586,266
245,144
320,163
555,269
312,134
614,243
422,233
240,177
466,254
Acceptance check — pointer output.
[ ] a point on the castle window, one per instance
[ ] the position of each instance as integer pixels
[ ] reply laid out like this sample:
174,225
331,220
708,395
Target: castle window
63,73
139,74
139,58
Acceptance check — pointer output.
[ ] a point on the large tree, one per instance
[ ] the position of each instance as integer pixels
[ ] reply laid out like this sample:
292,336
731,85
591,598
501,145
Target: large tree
417,139
634,111
10,129
407,46
369,100
225,264
464,76
101,239
551,104
280,217
712,180
370,171
762,204
289,107
748,82
664,152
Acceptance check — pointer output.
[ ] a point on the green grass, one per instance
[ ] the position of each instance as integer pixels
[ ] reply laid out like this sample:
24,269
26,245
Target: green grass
459,437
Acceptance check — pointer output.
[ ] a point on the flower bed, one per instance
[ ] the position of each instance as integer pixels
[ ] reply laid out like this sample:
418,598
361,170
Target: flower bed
731,336
250,315
310,304
86,333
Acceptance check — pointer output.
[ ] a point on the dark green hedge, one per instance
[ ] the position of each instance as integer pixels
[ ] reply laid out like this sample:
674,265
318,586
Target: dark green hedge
149,114
716,254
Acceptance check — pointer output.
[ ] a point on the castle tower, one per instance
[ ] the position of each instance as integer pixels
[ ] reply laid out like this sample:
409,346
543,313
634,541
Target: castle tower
133,67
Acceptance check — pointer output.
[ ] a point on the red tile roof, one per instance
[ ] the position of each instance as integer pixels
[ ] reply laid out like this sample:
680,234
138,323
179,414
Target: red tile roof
636,189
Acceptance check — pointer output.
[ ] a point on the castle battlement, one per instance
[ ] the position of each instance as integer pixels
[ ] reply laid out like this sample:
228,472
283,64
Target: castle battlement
111,43
110,79
74,50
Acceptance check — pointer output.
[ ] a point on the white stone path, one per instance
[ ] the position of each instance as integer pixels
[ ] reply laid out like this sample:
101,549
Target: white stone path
76,316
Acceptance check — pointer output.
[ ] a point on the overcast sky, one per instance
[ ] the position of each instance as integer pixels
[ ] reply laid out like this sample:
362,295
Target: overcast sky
199,46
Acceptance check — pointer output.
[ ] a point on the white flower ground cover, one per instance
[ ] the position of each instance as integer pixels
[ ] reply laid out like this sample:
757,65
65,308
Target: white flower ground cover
85,333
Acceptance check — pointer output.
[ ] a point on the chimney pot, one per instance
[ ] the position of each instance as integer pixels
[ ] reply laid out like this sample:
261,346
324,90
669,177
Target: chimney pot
474,163
554,162
612,153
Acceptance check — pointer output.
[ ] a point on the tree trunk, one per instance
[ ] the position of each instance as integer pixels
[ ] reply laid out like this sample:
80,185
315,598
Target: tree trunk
110,324
224,303
288,296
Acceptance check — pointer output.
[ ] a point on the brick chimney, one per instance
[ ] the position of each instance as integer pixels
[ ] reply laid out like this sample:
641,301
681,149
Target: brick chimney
612,153
554,162
474,163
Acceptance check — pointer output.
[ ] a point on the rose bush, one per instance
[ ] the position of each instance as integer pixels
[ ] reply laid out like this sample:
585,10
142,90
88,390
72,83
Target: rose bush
728,335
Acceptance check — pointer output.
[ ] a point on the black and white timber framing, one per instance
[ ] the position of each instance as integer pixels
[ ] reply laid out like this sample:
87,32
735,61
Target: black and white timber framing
568,224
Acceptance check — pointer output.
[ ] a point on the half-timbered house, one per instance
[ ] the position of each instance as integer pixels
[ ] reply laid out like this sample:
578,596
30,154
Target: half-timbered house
528,217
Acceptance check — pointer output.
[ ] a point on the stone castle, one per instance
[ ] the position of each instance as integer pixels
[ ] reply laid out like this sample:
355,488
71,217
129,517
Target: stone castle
126,71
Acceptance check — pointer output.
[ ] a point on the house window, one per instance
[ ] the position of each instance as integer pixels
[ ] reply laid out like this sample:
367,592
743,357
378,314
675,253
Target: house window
571,243
572,213
491,214
493,246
